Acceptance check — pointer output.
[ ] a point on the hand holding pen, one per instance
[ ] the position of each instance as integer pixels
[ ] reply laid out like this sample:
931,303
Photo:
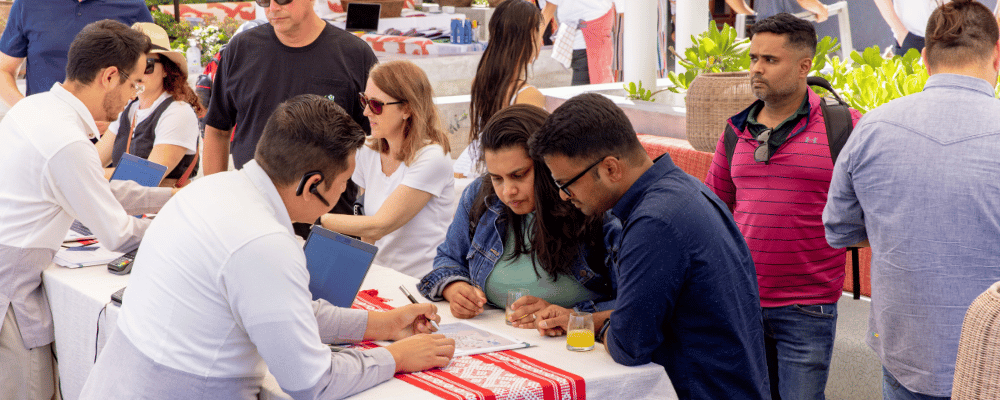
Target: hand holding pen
414,301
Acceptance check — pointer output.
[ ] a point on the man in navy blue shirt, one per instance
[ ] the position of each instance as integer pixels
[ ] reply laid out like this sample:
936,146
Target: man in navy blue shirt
41,31
687,288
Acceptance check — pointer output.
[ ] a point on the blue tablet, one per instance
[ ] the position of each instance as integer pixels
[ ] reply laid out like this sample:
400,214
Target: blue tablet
140,170
337,265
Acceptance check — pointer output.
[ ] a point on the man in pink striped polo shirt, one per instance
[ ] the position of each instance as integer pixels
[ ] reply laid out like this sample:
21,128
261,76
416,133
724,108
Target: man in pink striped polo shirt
776,185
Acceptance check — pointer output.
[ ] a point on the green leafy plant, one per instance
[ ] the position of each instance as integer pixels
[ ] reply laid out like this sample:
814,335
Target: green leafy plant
718,50
633,92
715,50
870,80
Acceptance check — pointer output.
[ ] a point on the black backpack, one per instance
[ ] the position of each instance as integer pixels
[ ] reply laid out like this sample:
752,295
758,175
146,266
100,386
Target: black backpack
839,125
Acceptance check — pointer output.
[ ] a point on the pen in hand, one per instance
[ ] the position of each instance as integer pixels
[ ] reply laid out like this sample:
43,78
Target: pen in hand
414,301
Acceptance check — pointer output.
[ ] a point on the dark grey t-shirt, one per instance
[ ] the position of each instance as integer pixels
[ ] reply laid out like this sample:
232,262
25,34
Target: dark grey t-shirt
257,72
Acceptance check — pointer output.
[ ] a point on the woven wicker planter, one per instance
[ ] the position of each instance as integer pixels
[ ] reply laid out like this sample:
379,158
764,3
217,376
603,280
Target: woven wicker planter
390,8
977,369
711,100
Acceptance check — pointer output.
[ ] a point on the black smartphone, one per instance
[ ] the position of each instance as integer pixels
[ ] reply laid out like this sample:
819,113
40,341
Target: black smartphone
116,297
122,265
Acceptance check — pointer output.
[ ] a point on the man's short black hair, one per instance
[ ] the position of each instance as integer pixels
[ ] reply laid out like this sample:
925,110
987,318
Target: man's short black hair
800,33
307,133
587,126
102,44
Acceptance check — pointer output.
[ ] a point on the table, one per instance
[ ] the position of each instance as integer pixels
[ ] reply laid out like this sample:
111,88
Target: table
78,296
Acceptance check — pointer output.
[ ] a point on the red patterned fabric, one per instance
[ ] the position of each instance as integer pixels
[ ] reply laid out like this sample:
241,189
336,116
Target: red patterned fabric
397,44
505,375
240,11
499,376
369,300
692,161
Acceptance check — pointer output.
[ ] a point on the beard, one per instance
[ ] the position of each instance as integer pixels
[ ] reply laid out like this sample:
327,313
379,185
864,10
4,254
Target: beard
112,107
770,94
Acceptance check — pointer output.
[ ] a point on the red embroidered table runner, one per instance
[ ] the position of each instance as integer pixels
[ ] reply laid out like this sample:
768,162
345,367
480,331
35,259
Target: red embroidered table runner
505,375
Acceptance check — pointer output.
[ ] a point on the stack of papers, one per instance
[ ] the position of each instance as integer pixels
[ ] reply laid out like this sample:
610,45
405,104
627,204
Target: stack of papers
85,256
475,339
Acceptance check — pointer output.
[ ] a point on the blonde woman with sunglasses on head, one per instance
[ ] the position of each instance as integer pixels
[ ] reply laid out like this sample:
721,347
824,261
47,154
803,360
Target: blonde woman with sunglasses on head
404,172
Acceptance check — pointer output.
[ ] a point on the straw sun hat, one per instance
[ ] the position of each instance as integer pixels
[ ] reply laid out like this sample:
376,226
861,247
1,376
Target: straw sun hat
161,43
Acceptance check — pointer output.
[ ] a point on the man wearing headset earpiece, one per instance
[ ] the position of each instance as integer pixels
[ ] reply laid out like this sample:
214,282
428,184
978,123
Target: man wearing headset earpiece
220,288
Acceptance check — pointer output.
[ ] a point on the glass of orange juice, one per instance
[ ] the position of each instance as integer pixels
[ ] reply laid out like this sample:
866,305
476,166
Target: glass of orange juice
580,332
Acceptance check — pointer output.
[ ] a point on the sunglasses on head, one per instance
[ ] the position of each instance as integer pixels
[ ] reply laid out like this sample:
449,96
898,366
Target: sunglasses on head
267,3
151,64
375,105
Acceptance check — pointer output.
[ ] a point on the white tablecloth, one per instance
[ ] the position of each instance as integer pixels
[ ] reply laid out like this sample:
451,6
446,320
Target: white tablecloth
78,296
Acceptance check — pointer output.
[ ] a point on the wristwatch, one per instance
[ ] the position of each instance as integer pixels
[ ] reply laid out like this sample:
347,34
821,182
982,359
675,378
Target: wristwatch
604,330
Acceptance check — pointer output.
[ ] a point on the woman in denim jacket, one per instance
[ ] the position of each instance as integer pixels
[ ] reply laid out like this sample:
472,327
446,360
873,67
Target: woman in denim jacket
513,230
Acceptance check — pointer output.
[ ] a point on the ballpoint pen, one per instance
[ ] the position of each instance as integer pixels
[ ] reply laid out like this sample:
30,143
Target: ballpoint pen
414,301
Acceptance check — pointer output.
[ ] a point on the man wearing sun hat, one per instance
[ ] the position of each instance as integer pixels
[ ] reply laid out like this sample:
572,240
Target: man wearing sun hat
41,31
296,53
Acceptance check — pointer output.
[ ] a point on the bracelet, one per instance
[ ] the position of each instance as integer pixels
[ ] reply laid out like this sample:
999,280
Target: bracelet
604,330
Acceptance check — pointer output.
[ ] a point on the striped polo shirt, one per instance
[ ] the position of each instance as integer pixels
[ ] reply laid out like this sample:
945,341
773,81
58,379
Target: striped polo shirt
778,207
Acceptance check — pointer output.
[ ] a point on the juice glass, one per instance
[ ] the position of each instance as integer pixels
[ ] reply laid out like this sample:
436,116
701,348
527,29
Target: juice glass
512,296
580,332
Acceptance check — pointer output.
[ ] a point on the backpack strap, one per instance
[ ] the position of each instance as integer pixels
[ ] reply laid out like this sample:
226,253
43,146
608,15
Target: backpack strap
839,125
729,141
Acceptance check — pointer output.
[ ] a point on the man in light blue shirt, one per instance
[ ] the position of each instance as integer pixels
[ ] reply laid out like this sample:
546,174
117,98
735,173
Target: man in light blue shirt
918,181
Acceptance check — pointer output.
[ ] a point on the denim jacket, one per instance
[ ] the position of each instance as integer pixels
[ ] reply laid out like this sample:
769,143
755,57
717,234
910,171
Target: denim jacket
461,258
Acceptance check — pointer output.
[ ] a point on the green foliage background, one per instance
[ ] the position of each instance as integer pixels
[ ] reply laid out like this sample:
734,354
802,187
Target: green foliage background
866,80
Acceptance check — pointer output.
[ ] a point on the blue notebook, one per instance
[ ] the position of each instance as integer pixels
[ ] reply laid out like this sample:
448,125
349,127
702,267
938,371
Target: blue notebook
337,265
140,170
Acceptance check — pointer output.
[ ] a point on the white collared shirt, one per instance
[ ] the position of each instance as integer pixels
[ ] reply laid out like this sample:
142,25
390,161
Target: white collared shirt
52,175
220,286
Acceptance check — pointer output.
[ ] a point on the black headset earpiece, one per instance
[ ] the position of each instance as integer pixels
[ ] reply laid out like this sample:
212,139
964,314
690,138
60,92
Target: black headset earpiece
314,188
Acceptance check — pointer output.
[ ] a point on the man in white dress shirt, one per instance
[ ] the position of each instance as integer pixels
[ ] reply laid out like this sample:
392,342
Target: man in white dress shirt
52,174
219,293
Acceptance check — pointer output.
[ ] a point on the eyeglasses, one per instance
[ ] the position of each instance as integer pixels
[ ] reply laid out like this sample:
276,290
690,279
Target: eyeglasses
267,3
763,152
375,105
151,64
565,187
137,87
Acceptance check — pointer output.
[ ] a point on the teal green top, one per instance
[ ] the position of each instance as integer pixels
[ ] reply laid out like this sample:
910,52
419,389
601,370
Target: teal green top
519,273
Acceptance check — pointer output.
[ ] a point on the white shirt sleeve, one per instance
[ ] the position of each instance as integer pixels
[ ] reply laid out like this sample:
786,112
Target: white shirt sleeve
362,160
114,125
267,286
77,180
431,171
467,161
178,125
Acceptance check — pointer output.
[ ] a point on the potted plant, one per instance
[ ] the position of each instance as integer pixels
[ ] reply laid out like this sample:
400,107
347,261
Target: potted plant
716,81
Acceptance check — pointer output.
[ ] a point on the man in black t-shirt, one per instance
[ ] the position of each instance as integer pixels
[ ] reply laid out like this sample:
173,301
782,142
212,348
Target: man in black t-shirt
296,53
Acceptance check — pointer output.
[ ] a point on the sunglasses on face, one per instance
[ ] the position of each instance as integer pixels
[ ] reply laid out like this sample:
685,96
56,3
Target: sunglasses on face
565,187
151,64
267,3
375,105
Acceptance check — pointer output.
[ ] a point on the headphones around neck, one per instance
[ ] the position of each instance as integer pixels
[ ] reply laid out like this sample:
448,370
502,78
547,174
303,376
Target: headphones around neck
314,188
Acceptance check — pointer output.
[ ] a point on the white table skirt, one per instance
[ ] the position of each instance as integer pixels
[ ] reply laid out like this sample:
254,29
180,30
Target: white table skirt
78,296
